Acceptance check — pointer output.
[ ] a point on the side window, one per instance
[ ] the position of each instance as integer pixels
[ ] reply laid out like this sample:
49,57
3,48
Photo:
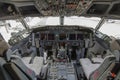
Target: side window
1,37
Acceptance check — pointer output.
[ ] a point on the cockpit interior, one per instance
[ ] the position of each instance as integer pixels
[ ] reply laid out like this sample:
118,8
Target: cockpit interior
60,52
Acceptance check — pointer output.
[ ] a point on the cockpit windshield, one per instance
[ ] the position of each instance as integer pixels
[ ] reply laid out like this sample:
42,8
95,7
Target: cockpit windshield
11,27
73,20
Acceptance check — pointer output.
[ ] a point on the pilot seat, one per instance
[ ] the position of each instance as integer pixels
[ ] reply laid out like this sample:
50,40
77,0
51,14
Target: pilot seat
95,67
12,66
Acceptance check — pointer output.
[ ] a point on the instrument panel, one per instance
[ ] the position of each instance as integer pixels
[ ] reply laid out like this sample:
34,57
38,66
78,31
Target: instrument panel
71,35
53,38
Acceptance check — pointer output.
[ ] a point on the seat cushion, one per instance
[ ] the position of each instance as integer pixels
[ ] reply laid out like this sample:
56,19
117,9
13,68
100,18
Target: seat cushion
36,65
26,60
15,72
100,60
88,67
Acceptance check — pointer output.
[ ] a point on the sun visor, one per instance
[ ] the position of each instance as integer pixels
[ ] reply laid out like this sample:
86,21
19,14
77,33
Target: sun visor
108,9
9,10
29,10
97,9
115,10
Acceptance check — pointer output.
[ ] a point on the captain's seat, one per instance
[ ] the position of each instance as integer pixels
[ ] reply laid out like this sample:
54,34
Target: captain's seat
12,68
95,67
36,65
3,48
28,67
15,67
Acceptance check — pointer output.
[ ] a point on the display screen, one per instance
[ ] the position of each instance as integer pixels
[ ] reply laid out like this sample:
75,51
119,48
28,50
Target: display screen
37,35
51,37
72,37
62,36
79,36
43,36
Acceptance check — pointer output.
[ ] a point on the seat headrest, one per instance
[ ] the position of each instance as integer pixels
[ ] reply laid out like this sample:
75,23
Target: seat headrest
3,47
114,45
8,54
117,55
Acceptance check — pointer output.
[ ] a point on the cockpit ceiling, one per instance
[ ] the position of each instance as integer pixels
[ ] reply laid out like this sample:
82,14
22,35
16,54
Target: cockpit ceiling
17,8
12,9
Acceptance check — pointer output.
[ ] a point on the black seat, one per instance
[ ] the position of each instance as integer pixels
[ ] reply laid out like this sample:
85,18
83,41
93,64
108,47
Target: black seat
15,72
103,68
12,68
4,75
15,61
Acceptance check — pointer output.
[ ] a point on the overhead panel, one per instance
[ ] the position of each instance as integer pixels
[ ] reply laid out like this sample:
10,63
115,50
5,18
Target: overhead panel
61,7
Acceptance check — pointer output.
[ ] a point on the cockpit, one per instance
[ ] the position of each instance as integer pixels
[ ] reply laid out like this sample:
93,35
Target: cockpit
61,39
59,52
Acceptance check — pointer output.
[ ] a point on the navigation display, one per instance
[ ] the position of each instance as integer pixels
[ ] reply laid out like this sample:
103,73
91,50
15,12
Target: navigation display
79,36
62,36
72,37
43,36
51,37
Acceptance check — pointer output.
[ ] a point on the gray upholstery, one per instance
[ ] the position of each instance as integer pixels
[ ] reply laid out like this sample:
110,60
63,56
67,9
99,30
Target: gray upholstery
117,55
105,74
103,67
26,60
3,73
90,68
15,72
28,71
36,65
97,60
15,64
96,49
8,54
114,44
